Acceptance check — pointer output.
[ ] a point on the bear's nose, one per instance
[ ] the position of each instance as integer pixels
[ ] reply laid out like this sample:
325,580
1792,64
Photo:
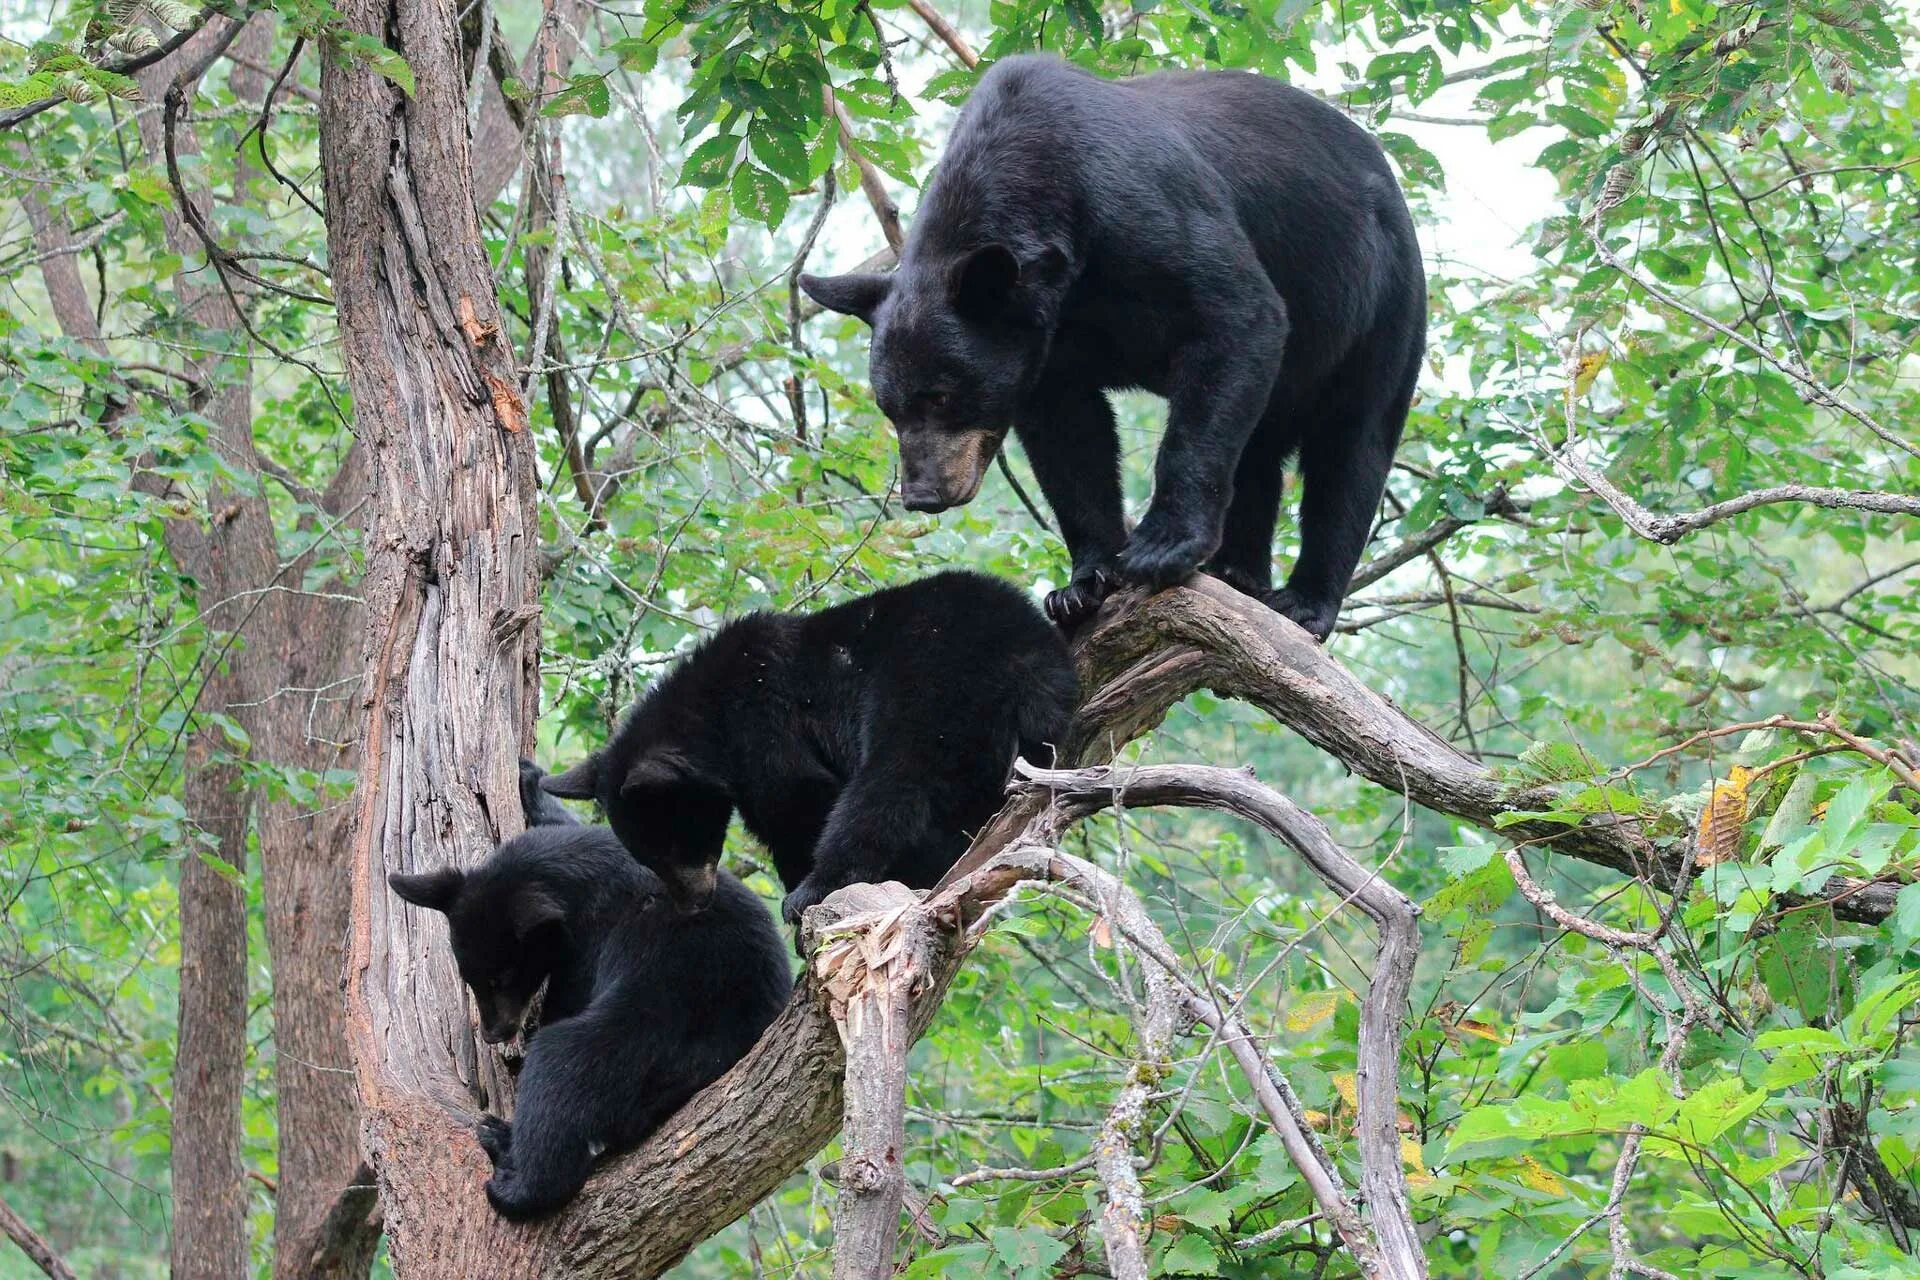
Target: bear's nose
923,497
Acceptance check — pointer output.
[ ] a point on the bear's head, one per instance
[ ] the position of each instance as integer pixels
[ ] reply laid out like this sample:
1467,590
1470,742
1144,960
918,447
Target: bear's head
958,344
508,935
668,811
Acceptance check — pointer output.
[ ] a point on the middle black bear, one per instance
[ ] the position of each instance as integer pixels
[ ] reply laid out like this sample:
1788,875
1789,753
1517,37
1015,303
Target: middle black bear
1227,241
644,1006
862,743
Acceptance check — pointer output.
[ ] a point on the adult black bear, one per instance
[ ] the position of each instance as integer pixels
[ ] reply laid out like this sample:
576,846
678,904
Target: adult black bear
1226,241
644,1006
862,743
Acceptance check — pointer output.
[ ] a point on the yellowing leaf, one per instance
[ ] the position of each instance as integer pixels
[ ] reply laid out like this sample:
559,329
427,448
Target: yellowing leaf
1724,815
1319,1120
1348,1089
1312,1009
1591,363
1539,1177
1418,1178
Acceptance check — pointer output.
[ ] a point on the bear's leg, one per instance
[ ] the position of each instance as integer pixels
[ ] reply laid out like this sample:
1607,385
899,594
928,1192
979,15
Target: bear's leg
1245,558
883,821
569,1092
1345,455
1074,449
541,809
1222,381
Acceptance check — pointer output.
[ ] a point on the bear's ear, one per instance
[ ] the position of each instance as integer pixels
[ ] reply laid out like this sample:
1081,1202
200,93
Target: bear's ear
858,294
582,782
995,284
667,767
984,283
434,890
535,908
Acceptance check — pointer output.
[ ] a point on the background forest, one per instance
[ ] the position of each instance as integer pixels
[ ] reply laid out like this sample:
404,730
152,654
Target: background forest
1651,544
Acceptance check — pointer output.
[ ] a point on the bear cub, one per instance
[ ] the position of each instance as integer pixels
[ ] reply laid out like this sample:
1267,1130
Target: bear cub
644,1006
1221,239
863,743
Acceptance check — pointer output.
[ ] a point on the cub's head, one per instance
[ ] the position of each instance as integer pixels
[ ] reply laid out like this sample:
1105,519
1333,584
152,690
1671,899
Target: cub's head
508,934
668,811
957,345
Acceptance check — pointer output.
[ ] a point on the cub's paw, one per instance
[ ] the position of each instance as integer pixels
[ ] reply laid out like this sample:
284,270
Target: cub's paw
512,1198
1081,597
809,892
496,1138
1161,553
1316,617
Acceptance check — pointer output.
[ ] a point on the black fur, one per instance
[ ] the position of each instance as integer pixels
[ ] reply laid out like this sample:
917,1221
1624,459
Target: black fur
541,809
1224,240
862,743
644,1006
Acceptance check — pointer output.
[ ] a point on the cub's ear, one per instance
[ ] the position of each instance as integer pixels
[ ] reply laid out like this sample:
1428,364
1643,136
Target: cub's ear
434,890
582,782
667,767
535,908
993,283
859,294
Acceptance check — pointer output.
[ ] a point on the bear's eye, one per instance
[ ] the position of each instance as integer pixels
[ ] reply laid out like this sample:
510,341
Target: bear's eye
933,399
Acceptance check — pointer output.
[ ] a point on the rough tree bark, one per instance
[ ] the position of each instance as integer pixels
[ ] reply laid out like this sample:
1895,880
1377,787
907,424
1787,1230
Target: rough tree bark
450,598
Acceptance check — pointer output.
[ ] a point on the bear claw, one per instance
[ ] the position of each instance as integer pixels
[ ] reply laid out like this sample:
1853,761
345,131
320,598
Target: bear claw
1081,597
495,1136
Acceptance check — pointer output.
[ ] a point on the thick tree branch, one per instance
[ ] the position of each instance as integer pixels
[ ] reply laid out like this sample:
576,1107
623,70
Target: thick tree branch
38,1251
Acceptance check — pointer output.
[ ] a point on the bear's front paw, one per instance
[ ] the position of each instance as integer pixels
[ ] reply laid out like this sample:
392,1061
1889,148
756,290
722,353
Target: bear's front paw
1082,595
496,1138
809,892
512,1199
1316,617
1161,554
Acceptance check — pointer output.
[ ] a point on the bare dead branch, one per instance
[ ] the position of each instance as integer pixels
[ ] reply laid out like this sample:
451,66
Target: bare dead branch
869,972
1382,1010
1669,529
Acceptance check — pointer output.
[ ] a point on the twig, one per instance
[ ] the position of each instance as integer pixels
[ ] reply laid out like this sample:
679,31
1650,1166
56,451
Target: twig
1811,389
945,30
127,66
871,184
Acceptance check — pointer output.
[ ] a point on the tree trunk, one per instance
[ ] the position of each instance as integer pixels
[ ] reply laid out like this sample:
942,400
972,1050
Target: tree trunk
210,1238
450,594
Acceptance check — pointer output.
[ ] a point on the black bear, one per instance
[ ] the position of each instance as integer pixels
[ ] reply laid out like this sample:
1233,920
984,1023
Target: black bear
862,743
1223,240
644,1006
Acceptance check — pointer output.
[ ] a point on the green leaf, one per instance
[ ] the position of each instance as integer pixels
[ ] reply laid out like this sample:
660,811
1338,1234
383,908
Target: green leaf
710,162
1191,1255
780,150
635,54
759,194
